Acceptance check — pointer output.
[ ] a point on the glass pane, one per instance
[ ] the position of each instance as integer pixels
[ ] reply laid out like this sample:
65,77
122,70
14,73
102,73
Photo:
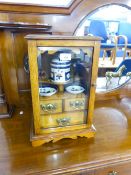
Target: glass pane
64,85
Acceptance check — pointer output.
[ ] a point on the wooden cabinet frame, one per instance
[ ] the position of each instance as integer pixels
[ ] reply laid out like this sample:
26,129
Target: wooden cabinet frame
87,130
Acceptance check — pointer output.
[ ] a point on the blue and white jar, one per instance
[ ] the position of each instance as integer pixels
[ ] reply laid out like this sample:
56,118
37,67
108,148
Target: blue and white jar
60,71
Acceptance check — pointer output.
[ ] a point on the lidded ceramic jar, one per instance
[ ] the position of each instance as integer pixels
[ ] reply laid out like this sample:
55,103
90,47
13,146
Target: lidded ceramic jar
60,70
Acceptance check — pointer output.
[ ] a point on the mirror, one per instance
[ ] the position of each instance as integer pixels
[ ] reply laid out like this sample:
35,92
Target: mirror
111,78
112,74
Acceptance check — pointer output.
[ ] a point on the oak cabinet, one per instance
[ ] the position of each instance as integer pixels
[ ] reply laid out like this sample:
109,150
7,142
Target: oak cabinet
63,73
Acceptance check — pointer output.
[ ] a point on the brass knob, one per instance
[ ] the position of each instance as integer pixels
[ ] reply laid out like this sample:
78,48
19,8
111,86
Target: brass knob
113,173
77,104
63,121
48,107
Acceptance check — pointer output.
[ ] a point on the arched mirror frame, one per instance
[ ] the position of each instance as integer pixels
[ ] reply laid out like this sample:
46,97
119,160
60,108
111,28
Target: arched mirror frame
114,90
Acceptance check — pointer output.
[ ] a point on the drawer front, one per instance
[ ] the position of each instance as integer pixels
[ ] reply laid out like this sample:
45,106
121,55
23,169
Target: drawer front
75,104
49,107
62,120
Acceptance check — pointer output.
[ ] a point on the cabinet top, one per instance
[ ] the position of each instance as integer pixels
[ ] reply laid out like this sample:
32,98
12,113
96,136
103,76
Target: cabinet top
61,37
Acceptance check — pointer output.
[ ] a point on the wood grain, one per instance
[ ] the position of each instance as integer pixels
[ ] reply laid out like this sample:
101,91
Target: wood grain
8,68
49,121
32,51
110,148
57,103
69,107
93,82
37,9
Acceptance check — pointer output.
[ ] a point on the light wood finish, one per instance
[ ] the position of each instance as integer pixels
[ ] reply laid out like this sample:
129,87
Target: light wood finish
93,83
32,51
75,104
50,121
61,95
35,41
54,137
66,100
56,103
68,131
109,150
48,39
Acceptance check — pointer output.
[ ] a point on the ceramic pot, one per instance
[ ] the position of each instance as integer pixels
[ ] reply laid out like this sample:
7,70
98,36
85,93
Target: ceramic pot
60,71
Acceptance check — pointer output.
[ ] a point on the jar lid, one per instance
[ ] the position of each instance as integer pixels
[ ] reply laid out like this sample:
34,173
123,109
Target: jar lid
57,61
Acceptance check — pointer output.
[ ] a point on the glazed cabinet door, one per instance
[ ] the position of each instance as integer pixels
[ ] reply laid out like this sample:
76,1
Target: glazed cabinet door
64,75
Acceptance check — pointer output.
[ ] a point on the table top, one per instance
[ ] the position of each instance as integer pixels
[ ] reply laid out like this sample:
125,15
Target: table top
112,142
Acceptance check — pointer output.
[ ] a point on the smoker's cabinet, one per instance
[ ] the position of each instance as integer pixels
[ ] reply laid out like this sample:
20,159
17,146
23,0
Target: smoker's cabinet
63,73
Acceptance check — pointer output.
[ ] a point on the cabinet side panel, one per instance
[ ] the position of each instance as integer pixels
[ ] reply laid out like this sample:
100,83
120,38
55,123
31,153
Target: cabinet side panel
32,51
93,81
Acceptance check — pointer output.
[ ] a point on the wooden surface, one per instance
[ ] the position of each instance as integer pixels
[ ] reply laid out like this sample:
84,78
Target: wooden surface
8,68
21,51
32,53
25,26
37,9
109,150
59,37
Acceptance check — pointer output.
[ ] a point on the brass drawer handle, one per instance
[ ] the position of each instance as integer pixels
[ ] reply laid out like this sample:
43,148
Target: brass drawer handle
48,107
77,104
63,121
113,173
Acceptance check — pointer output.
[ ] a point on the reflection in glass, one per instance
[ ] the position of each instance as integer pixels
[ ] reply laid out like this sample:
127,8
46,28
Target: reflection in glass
113,17
116,78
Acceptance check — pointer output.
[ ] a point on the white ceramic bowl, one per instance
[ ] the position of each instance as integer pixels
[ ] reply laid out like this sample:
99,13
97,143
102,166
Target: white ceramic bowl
75,89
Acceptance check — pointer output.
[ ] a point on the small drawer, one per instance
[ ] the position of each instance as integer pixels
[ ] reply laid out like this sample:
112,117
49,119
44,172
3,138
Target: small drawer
75,104
49,107
62,120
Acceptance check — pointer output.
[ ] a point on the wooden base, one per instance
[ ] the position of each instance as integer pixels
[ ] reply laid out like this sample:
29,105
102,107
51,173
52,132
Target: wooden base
38,140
